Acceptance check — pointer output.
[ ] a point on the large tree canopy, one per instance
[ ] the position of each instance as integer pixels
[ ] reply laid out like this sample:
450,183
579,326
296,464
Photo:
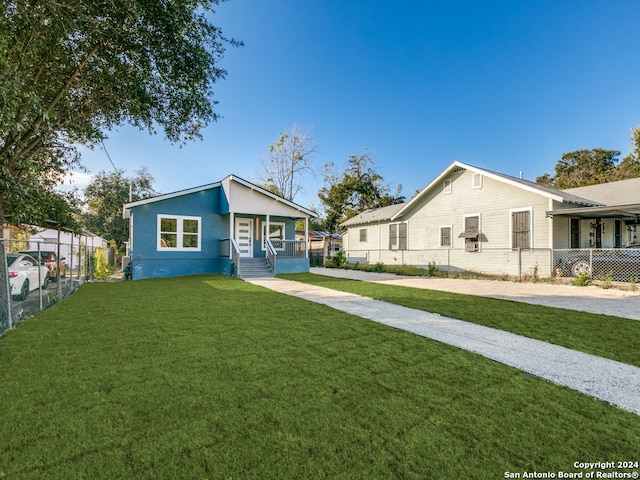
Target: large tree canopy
590,167
69,71
357,189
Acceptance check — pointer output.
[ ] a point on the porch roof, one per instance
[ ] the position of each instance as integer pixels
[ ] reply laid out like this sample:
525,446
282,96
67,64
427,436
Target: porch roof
631,210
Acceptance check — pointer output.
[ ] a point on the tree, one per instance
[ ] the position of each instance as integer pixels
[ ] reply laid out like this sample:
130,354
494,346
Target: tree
70,71
357,189
104,198
590,167
629,167
287,159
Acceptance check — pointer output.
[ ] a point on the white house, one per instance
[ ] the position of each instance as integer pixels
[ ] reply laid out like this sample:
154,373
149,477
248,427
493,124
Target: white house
469,218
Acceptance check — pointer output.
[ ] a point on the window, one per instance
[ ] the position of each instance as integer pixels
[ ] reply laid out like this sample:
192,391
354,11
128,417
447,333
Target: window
471,233
178,232
476,180
276,235
397,236
575,233
445,236
363,234
447,187
617,233
521,229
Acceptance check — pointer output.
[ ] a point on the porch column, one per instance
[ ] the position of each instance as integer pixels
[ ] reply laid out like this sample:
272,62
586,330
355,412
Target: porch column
306,237
267,234
231,227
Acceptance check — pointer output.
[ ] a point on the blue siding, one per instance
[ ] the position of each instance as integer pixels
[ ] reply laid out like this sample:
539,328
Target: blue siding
292,265
148,262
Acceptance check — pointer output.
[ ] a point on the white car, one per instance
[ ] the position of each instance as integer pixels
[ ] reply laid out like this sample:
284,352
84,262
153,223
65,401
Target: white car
25,274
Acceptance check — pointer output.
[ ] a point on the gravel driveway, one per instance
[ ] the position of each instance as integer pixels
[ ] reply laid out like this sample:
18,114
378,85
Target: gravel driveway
617,302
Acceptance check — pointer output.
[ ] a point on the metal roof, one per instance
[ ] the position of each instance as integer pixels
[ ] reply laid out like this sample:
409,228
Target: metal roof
374,215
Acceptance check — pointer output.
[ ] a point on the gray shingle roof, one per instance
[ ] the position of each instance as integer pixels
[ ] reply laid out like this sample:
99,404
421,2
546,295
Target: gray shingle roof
623,192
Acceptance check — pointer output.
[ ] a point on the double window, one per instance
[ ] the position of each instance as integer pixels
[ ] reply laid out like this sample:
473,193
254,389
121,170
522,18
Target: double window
179,233
397,236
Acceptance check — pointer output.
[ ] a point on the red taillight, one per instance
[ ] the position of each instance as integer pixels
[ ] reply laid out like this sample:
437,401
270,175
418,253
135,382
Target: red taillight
13,274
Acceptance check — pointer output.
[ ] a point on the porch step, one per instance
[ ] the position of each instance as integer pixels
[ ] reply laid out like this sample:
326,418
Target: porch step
255,268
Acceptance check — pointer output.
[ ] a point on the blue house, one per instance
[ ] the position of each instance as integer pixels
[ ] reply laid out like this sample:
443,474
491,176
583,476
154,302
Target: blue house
231,227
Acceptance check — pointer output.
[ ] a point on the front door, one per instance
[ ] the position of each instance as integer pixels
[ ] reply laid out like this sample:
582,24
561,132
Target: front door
244,235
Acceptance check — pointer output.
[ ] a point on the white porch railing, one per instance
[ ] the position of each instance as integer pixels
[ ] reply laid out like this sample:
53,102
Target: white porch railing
235,256
289,248
272,255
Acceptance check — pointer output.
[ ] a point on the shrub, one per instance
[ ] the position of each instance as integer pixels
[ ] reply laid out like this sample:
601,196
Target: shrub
582,279
101,269
338,260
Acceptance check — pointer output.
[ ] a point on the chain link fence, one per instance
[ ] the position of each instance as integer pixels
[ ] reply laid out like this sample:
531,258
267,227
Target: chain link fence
616,264
35,275
487,261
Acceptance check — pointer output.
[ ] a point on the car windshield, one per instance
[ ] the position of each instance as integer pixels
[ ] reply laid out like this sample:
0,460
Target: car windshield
11,259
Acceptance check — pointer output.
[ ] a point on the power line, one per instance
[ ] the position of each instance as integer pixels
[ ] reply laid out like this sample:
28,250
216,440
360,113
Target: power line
108,156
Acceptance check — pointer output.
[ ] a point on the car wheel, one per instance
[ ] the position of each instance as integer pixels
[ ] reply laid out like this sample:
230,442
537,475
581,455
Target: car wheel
580,268
47,278
24,291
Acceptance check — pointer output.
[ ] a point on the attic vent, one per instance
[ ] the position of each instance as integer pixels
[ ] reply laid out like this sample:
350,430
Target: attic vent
476,180
446,188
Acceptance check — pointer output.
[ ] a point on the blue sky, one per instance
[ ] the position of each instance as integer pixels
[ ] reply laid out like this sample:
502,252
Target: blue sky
503,85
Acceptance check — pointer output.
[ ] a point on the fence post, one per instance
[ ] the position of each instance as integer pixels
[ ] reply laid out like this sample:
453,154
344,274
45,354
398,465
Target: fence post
520,264
5,276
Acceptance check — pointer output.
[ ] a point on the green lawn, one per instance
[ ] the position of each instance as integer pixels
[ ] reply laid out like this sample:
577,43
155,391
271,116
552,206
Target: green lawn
211,377
610,337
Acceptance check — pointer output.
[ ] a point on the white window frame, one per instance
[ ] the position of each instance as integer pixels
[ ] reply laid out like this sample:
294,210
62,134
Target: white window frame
523,209
450,227
396,246
264,235
179,233
476,181
447,188
464,223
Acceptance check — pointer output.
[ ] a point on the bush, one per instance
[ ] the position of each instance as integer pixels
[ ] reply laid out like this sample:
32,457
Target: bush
101,269
338,260
582,279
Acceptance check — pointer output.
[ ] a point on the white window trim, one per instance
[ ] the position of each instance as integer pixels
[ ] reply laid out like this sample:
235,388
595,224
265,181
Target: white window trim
180,219
397,245
265,236
450,227
524,209
479,215
476,185
447,188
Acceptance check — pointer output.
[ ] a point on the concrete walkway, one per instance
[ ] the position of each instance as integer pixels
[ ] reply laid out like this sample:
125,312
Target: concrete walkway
613,382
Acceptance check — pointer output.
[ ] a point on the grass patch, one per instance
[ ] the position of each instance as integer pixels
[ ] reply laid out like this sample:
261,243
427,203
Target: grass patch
606,336
212,377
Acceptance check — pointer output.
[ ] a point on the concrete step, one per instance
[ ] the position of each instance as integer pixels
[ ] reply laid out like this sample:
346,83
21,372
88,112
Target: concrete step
255,268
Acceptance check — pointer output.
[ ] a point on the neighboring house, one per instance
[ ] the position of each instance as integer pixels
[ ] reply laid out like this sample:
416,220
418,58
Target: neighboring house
614,223
65,244
321,243
469,218
216,228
